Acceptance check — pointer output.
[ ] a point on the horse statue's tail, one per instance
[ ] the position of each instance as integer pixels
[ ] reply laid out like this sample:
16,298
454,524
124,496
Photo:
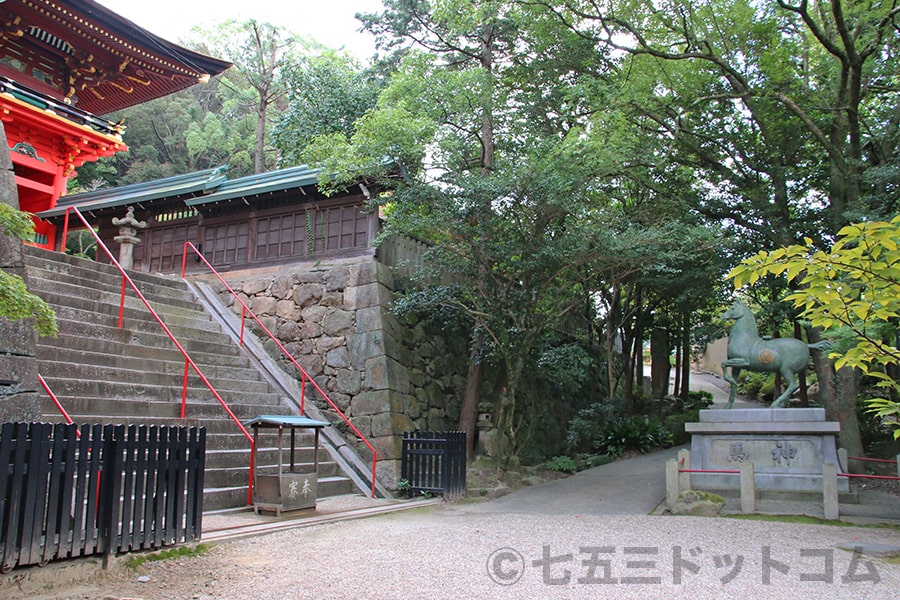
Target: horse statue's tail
823,345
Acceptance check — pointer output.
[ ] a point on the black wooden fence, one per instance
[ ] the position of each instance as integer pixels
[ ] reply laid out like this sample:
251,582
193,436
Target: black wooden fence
434,462
114,489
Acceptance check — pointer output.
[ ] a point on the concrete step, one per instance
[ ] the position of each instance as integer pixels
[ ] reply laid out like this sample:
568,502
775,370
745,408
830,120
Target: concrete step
54,266
216,420
236,475
103,373
230,380
85,310
127,343
198,397
111,293
265,455
96,365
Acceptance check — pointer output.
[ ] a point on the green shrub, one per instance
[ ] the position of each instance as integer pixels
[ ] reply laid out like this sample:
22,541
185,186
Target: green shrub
756,385
588,423
675,425
631,433
877,436
562,464
700,399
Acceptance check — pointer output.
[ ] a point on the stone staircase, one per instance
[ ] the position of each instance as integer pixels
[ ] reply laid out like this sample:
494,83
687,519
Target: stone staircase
133,375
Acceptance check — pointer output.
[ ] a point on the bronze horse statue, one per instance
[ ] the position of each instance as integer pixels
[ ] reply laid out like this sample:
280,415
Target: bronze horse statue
746,350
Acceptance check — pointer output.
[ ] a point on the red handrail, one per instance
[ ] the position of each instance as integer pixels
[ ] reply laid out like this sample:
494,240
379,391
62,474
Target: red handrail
188,360
58,404
245,310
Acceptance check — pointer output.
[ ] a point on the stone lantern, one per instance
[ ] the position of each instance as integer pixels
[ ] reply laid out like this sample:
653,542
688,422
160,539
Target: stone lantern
127,238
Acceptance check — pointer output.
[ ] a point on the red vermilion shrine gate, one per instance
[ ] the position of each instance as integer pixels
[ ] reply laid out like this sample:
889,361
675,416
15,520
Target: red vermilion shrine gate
62,62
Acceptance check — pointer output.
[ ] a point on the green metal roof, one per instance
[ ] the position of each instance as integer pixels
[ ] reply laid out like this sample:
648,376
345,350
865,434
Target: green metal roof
255,185
200,187
197,182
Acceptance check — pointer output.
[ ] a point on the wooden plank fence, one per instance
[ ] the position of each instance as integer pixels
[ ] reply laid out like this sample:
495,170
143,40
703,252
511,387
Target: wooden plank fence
113,489
434,462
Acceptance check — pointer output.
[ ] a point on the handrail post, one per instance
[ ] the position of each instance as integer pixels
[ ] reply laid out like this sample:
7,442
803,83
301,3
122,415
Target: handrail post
184,389
243,320
65,232
252,472
184,259
122,303
58,404
374,462
303,393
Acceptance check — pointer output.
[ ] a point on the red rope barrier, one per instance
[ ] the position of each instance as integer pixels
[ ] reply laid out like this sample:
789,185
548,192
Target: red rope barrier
729,471
894,477
880,460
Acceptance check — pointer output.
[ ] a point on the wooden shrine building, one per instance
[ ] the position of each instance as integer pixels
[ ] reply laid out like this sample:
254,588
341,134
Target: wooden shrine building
259,220
63,63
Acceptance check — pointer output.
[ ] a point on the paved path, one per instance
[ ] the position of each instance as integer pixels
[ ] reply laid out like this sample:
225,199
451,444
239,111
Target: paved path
631,486
636,485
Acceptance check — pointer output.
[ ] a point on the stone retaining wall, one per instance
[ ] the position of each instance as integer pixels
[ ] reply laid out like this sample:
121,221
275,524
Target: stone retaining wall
334,319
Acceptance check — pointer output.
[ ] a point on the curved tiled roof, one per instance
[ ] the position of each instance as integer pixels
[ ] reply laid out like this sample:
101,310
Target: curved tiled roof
105,60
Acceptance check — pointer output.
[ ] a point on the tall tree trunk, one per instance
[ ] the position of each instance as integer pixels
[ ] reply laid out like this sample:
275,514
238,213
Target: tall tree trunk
628,369
610,342
843,411
686,356
507,448
660,363
259,164
469,411
487,119
676,389
839,391
468,414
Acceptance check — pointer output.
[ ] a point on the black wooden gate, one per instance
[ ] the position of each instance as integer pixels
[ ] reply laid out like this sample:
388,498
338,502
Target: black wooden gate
434,462
114,489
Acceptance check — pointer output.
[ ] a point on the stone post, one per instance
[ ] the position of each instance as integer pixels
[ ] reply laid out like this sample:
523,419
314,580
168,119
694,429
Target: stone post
748,488
19,399
127,237
672,474
684,462
830,491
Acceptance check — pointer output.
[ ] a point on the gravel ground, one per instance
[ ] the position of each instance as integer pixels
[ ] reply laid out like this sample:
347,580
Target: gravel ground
449,552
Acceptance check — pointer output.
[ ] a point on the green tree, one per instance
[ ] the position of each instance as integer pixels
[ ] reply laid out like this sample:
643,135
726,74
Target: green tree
851,292
326,94
466,172
260,52
16,302
770,104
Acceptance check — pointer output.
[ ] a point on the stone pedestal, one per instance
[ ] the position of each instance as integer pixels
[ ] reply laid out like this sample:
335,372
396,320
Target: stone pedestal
787,446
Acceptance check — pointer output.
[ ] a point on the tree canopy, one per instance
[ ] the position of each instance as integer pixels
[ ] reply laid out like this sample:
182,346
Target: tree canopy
610,160
851,291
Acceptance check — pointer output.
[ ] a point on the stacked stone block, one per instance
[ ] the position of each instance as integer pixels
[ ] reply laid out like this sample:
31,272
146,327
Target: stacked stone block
334,318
